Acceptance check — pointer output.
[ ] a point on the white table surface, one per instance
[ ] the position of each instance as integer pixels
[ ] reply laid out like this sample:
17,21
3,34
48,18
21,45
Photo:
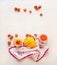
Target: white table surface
22,23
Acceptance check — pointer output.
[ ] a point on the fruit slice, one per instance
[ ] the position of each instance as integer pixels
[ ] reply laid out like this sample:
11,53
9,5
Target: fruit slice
43,37
17,42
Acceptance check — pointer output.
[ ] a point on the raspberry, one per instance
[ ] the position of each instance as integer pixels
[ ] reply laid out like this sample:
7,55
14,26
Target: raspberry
24,9
16,35
9,43
41,14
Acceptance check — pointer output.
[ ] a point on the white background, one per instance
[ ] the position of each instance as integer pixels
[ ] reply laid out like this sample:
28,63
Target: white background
22,23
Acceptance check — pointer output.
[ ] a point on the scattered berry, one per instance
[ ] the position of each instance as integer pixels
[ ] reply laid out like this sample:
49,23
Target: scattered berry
24,9
30,11
18,9
9,43
41,14
15,8
11,37
39,7
35,7
35,35
40,46
16,35
28,35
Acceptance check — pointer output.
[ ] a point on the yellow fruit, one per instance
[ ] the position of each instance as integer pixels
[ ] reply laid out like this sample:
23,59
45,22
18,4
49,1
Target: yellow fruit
17,42
29,42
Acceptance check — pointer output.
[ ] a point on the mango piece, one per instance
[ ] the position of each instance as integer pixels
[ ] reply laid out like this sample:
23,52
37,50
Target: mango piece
29,42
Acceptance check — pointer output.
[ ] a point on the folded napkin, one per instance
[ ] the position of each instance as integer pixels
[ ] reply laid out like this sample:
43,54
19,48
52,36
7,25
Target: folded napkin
42,51
20,53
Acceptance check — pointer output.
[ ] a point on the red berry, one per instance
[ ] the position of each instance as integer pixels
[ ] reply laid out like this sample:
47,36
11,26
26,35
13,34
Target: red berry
40,46
9,43
9,35
18,42
39,7
35,35
35,7
24,9
41,14
18,9
28,35
15,8
30,11
16,35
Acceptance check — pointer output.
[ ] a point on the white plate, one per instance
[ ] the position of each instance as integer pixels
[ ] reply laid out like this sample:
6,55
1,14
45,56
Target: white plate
22,23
